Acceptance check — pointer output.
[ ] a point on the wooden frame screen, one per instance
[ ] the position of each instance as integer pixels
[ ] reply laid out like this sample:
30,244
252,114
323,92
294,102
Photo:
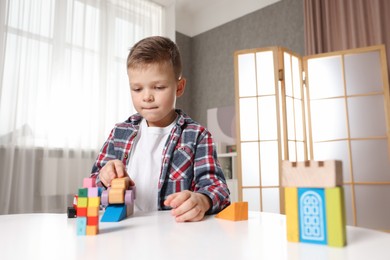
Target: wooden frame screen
328,106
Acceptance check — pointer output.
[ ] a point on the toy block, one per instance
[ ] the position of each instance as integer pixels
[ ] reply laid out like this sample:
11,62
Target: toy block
129,197
82,202
93,202
92,230
335,214
93,192
93,221
129,209
89,183
292,219
92,211
104,198
81,224
114,213
71,212
116,196
83,193
75,198
312,215
133,188
120,183
312,174
236,211
81,212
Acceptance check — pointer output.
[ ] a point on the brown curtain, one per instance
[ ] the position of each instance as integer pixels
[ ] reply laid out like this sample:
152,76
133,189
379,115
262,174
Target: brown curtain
333,25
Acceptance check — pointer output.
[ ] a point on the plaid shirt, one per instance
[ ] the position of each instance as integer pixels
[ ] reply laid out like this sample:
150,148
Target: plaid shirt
189,160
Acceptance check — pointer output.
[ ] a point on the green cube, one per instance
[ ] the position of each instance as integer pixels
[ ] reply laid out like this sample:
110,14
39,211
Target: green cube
83,193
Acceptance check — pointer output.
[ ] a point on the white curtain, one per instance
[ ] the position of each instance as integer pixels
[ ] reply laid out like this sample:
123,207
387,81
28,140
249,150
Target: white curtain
63,87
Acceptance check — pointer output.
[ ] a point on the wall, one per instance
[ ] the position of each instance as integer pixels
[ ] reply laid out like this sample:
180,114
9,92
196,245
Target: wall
208,57
185,45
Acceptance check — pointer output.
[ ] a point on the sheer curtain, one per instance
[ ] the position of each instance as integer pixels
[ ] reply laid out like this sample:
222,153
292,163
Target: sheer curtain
63,87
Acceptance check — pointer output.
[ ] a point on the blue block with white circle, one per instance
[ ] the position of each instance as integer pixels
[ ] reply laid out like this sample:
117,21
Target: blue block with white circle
312,215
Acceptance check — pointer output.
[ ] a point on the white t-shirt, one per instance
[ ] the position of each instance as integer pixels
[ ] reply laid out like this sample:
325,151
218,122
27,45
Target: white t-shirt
144,166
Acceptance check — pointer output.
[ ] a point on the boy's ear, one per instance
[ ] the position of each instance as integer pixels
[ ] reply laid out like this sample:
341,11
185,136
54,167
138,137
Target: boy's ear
181,85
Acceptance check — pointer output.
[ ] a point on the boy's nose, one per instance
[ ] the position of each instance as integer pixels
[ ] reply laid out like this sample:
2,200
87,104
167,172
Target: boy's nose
148,97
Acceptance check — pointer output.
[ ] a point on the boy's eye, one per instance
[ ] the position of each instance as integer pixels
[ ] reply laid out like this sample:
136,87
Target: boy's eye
159,87
136,89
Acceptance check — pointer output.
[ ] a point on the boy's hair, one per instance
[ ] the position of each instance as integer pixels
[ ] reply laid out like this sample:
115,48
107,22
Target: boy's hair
155,49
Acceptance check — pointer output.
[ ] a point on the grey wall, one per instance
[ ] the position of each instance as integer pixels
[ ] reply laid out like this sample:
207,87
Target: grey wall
185,45
208,58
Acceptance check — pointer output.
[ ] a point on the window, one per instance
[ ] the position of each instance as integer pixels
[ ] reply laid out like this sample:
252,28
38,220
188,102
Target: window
63,73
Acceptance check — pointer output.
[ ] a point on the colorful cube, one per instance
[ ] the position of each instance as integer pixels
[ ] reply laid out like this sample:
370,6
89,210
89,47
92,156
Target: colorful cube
93,192
82,202
81,223
92,230
93,202
83,193
89,183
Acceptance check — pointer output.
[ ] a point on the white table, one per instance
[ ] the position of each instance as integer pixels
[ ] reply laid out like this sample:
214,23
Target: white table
158,236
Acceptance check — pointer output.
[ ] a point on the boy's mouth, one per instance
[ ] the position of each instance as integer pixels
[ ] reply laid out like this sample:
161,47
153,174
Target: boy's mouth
149,108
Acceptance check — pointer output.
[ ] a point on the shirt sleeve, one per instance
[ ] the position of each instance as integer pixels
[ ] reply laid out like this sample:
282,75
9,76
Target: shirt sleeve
208,174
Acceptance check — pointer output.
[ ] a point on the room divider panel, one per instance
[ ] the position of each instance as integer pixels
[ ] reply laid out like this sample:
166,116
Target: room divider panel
328,106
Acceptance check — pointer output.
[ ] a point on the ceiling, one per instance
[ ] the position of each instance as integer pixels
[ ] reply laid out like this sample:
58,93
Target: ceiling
197,16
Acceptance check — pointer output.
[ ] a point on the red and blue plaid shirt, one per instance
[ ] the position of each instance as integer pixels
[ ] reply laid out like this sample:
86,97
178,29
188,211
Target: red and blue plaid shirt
189,160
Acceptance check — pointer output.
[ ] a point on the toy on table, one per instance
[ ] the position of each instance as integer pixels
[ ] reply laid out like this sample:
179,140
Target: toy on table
314,202
236,211
72,211
88,203
119,200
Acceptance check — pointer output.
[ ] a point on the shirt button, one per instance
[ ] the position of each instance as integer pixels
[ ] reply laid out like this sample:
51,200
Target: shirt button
126,156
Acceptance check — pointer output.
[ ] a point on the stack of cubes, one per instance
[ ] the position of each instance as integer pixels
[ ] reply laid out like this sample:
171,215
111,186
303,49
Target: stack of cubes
314,202
88,204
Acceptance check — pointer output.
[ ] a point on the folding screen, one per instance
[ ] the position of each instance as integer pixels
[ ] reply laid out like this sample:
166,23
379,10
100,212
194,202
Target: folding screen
328,106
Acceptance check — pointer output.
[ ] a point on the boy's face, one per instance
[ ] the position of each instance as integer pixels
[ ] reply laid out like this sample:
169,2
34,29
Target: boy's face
154,90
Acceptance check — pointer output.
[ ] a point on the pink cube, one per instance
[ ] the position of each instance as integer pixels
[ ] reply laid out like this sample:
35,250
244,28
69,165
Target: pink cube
93,192
89,183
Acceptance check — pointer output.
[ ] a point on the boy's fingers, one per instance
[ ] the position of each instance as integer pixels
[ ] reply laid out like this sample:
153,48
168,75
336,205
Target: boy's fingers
184,208
168,200
103,180
112,174
176,199
132,183
194,214
120,169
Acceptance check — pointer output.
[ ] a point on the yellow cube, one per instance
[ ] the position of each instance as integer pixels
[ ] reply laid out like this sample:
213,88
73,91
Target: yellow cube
82,202
94,202
92,230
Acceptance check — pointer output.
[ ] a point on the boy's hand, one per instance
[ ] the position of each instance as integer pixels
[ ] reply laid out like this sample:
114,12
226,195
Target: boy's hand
113,169
188,206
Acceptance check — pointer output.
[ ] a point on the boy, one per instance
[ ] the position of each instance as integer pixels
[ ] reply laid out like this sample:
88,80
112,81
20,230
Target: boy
171,158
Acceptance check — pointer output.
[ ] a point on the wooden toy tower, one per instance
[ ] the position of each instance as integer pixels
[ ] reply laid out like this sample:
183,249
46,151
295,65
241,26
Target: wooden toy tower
314,202
88,204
